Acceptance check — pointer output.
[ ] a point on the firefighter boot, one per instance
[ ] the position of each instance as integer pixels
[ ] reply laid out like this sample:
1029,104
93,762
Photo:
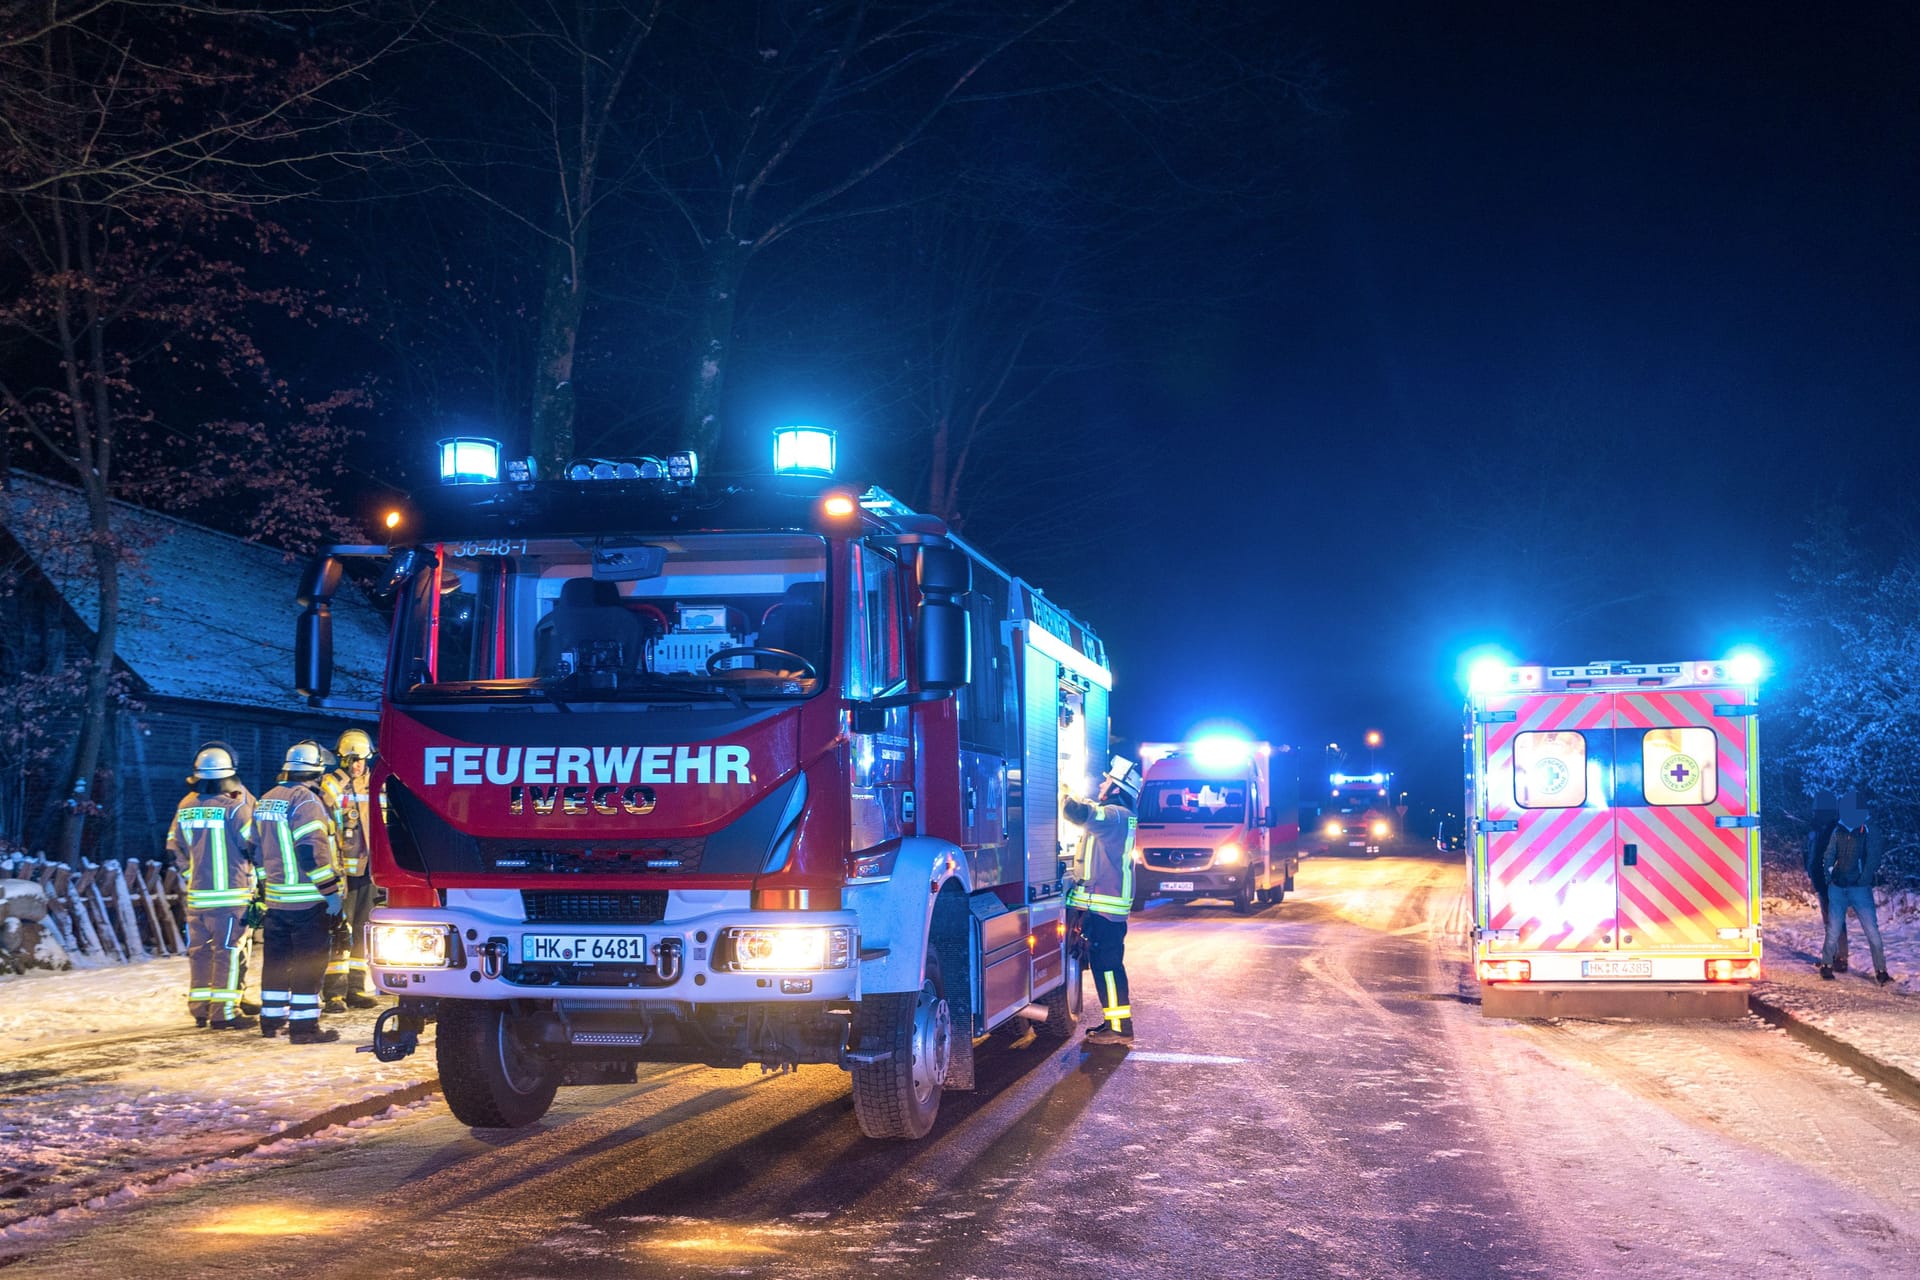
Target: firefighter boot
361,1000
232,1024
313,1035
334,1004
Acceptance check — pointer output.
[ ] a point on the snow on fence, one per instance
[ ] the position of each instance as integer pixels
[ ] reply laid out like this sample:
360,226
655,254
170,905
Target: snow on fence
108,912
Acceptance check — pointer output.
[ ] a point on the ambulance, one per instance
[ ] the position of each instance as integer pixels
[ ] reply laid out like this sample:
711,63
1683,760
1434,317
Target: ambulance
1614,814
1215,823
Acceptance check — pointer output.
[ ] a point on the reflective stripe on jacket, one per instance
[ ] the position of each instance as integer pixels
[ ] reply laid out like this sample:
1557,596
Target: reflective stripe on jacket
212,842
347,803
1103,865
298,861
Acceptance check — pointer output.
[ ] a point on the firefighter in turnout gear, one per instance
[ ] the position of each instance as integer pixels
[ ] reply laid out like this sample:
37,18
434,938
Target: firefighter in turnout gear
300,870
212,843
1102,892
348,796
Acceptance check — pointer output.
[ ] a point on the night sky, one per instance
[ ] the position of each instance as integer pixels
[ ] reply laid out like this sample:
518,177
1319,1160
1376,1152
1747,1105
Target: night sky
1633,282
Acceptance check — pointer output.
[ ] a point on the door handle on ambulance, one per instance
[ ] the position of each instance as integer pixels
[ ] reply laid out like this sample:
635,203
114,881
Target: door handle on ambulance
1629,855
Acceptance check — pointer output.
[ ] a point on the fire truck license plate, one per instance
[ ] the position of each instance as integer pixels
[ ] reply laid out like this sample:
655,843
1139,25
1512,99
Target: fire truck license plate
1177,886
563,948
1616,968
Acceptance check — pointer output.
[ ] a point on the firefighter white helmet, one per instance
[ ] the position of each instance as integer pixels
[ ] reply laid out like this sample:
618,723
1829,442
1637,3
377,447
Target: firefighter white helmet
354,745
212,763
1123,775
304,758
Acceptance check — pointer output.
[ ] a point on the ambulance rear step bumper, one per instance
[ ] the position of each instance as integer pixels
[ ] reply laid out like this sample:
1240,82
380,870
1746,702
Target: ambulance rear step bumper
1643,1001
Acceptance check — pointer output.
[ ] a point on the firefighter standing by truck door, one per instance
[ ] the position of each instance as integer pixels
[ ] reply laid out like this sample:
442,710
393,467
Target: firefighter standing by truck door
212,843
348,797
298,867
1102,892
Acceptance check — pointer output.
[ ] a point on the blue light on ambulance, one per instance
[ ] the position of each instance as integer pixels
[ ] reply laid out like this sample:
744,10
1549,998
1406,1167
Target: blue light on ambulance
1221,752
1746,666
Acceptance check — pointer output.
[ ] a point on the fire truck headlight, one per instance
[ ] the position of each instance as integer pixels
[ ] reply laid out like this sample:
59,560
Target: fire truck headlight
410,946
1333,831
784,948
1380,829
1229,855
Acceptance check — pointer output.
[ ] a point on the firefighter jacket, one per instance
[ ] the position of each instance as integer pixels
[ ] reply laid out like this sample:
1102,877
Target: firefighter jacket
1103,864
347,801
298,862
212,842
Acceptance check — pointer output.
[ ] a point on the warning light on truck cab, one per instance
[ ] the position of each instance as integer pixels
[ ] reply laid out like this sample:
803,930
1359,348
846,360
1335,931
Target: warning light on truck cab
469,460
804,451
1746,666
1221,752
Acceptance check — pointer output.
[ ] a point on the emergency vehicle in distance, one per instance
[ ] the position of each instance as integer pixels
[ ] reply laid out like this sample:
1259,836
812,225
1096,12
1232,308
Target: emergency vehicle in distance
673,771
1358,814
1614,819
1218,819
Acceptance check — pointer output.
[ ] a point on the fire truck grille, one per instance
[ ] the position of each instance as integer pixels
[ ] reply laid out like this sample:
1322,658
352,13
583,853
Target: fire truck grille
636,906
1176,859
668,855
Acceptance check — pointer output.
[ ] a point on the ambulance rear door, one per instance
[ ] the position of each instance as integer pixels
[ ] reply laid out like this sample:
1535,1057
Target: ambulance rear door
1688,825
1545,832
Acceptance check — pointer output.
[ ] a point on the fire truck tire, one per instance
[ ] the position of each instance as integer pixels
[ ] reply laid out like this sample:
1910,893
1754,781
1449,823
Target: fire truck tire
899,1096
1063,1004
490,1079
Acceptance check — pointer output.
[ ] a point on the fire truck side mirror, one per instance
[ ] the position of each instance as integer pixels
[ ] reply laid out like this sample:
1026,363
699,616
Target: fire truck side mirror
313,650
945,575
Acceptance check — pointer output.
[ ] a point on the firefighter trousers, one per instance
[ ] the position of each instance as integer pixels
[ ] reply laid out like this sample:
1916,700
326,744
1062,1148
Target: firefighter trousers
347,961
216,962
1107,958
295,965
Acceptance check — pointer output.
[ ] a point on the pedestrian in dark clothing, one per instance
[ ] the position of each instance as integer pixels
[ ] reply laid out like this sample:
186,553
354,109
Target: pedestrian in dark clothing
1852,860
1826,815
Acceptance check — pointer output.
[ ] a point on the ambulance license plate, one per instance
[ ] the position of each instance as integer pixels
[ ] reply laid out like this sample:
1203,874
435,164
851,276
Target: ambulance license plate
569,948
1176,886
1616,968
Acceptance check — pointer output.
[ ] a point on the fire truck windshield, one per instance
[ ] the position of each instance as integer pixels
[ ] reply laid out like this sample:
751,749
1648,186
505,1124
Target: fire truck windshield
721,616
1198,802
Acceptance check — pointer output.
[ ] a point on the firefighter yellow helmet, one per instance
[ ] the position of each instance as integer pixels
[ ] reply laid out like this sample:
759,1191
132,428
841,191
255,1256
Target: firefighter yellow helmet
212,763
305,758
354,745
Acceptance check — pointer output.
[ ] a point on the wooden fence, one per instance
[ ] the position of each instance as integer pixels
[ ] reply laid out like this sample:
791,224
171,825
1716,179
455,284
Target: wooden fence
111,911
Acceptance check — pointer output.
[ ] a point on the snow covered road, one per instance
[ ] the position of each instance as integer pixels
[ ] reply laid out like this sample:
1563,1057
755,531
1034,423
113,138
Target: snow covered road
1314,1094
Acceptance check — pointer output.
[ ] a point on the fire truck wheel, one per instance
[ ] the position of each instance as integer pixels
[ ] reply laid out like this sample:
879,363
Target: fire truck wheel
1063,1003
899,1096
491,1077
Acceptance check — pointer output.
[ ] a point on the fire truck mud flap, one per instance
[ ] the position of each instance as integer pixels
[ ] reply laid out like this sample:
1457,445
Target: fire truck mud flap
1646,1002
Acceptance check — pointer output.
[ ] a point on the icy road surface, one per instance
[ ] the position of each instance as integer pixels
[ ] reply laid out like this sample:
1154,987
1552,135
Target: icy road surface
1313,1094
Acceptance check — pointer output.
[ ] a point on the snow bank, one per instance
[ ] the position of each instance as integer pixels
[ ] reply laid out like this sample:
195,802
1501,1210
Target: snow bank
42,1008
1881,1022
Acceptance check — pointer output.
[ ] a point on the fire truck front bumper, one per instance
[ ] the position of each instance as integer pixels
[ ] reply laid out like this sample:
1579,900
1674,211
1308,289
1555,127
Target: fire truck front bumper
707,948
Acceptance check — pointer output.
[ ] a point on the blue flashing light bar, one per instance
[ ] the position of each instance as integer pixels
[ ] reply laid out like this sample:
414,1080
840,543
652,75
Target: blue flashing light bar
804,451
469,460
1220,751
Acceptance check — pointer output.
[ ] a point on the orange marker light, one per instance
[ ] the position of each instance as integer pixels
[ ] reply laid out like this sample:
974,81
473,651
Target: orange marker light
838,505
393,520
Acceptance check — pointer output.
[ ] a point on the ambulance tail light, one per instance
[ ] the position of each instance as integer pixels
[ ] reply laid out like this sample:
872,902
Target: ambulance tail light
1732,970
1505,970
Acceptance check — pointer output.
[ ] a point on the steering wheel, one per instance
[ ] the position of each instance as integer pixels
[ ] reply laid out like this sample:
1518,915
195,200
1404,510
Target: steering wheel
807,669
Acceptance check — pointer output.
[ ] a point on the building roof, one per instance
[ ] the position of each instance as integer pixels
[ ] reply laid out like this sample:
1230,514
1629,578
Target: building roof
203,615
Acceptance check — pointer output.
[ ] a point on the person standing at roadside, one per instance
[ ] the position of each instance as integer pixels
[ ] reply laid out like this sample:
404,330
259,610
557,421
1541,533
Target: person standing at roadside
1852,861
1826,815
299,867
348,801
212,843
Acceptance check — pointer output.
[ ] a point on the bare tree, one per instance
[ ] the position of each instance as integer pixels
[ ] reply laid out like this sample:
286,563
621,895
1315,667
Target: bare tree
142,144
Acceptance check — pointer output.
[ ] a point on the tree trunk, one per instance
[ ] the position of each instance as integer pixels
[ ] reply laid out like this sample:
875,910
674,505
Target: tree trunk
713,347
560,311
78,793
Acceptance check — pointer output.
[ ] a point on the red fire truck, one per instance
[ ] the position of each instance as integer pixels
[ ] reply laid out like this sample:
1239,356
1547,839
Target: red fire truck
676,771
1614,811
